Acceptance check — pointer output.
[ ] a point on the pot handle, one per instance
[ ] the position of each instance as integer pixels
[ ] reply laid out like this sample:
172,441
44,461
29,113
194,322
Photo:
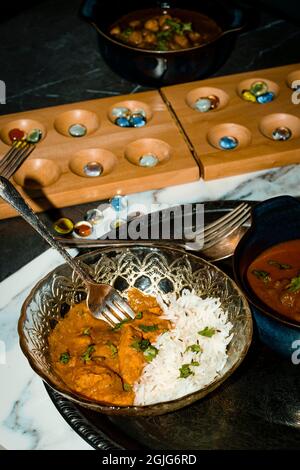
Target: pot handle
242,17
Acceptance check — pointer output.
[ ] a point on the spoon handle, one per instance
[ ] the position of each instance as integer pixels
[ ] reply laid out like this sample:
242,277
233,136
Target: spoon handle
9,193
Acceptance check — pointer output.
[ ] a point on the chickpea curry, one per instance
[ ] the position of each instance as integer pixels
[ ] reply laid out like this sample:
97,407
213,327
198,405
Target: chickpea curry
164,32
103,363
274,276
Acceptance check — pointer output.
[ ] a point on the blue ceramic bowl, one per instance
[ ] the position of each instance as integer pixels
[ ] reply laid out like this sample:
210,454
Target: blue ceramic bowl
273,221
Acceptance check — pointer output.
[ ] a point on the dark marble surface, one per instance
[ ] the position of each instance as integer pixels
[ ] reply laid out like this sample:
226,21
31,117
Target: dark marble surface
49,56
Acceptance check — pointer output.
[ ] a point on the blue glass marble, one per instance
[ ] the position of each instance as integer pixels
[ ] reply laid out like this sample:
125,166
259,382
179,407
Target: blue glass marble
266,97
122,122
118,203
137,120
228,143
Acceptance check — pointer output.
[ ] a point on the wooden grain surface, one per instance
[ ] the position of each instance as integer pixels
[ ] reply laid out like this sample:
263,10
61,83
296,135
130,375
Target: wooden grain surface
262,152
56,152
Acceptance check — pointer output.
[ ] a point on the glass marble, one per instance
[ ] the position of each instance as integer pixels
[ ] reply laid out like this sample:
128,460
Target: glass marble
248,96
148,160
266,98
137,120
120,112
63,226
228,143
142,112
83,228
123,122
203,105
214,100
34,136
94,216
93,169
259,88
16,134
118,202
282,133
77,130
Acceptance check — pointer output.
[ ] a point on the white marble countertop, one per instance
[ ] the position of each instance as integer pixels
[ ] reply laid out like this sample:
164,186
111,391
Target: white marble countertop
28,419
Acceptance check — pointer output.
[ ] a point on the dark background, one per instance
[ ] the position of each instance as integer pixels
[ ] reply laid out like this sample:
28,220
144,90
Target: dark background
49,56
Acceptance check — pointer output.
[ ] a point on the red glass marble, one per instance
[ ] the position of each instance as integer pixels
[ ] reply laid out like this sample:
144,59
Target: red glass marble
16,134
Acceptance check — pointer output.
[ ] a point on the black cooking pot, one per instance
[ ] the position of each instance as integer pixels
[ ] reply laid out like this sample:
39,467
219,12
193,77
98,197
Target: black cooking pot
158,68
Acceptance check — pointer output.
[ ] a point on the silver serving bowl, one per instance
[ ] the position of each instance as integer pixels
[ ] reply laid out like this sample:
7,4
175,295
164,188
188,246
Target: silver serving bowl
151,269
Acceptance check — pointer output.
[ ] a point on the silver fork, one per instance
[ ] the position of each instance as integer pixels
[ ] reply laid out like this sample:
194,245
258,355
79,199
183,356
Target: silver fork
204,239
103,301
16,155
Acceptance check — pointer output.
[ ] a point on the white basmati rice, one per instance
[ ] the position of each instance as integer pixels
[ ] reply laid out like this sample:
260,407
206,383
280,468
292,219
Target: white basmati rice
160,380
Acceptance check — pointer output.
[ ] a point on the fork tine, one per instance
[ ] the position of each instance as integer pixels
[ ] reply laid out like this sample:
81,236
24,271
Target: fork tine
18,160
226,231
224,227
107,315
115,311
226,219
122,305
9,155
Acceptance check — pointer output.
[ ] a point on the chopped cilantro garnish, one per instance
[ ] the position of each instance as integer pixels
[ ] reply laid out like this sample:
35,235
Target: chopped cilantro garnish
294,285
207,331
113,348
194,348
127,387
150,353
119,325
87,355
86,332
278,265
147,328
263,275
141,345
195,363
185,371
139,315
64,357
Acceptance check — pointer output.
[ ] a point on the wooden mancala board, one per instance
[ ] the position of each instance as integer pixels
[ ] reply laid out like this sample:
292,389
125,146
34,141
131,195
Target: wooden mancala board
185,140
251,123
53,175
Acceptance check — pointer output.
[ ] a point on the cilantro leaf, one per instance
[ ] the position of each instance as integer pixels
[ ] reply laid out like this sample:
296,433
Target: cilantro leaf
87,355
185,371
207,331
64,357
194,348
113,348
261,274
147,328
150,353
294,285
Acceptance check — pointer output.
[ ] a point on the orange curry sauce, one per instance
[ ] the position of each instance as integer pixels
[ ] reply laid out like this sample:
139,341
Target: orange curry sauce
103,363
274,276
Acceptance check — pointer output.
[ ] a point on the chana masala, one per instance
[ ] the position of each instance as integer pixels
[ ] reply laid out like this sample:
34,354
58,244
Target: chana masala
274,276
164,32
100,362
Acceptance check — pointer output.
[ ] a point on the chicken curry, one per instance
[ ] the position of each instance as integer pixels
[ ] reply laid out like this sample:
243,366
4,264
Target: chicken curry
165,31
103,363
274,276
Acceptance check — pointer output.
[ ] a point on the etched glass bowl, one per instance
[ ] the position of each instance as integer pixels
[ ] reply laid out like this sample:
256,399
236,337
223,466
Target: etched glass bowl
151,269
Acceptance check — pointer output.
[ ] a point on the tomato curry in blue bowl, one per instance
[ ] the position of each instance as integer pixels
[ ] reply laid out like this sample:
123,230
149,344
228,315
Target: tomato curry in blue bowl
267,268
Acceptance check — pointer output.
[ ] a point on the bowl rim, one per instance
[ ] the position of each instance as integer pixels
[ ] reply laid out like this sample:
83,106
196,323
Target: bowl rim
142,410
